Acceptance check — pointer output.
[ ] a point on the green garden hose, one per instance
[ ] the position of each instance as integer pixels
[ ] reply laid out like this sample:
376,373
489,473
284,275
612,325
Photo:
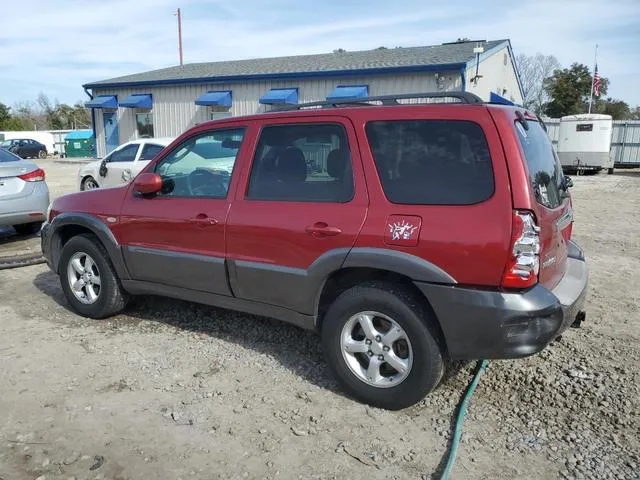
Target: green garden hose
457,432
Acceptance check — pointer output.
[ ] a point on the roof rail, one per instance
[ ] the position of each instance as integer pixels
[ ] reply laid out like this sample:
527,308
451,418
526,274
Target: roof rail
463,97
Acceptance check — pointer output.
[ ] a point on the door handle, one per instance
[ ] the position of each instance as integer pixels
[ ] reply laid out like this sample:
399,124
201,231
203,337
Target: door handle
203,219
321,229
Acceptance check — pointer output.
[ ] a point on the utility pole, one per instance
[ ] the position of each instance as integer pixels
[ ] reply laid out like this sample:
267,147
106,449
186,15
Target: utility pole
593,77
180,36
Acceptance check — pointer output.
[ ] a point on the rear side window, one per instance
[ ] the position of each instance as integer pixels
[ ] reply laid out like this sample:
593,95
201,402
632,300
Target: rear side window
149,151
545,172
432,162
7,157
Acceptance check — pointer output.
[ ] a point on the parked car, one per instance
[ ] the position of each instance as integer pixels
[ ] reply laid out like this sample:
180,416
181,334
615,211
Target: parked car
25,148
433,232
121,165
24,195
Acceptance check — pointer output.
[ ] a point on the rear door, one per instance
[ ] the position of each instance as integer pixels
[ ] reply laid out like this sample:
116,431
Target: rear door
300,210
552,205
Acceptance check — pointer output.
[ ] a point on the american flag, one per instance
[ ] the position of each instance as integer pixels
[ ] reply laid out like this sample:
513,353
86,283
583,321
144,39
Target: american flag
596,82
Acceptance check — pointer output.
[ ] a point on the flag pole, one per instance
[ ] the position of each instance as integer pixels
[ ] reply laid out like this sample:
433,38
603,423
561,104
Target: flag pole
593,77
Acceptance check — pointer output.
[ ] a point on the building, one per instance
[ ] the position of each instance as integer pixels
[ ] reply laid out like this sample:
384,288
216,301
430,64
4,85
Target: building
168,101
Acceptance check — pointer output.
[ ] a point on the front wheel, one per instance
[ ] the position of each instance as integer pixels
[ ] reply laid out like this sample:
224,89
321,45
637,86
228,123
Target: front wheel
381,345
88,278
89,183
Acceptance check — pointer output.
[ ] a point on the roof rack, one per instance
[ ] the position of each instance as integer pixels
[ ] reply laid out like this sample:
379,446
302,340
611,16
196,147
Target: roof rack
463,97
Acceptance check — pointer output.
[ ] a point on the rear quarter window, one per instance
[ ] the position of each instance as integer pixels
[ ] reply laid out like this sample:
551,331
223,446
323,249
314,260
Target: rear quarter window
545,172
432,162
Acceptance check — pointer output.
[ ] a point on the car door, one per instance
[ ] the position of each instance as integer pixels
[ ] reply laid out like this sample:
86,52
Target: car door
300,213
148,152
177,237
119,161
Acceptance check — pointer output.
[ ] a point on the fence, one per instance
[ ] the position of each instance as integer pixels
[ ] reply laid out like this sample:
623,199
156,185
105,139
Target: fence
625,140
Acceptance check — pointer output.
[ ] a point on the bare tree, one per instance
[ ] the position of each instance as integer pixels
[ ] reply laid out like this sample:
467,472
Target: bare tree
533,71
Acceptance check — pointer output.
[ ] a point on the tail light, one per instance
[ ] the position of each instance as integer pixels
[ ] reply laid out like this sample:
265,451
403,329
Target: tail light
35,176
524,259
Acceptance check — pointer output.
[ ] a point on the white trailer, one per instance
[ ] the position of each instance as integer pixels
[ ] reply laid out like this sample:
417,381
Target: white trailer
584,143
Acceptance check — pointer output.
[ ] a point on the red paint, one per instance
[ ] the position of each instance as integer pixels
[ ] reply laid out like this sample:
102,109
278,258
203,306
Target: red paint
471,243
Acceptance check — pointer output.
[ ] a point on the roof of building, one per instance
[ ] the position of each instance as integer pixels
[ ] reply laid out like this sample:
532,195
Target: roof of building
362,62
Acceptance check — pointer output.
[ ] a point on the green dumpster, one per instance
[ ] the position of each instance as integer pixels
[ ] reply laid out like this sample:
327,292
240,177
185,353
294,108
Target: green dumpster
80,143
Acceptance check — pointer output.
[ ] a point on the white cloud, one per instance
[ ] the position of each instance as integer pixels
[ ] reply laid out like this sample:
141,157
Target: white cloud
56,46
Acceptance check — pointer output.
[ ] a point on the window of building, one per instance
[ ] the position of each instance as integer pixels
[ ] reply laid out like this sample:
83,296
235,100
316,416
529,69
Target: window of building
432,162
144,124
202,165
302,163
217,112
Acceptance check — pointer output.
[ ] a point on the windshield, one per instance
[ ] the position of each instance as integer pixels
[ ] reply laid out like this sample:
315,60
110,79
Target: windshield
5,156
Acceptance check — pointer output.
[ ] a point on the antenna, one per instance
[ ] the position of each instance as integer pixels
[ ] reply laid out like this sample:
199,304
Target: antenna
179,14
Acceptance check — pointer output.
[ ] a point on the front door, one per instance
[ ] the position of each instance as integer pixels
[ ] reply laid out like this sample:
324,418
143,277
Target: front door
177,238
118,162
301,212
111,136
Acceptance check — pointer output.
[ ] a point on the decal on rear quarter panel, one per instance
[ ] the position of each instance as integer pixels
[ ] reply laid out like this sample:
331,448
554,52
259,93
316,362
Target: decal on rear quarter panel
403,230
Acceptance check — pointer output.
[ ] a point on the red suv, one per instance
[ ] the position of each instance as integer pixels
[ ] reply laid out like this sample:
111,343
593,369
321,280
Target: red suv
408,235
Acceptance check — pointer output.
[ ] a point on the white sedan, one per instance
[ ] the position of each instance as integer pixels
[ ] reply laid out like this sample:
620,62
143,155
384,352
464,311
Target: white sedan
121,165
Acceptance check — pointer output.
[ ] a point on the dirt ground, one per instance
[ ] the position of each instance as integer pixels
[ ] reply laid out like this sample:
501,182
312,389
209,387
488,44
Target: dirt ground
172,390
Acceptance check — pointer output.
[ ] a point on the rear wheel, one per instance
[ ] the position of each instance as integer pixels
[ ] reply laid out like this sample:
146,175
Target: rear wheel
610,171
42,154
27,228
381,345
89,280
89,183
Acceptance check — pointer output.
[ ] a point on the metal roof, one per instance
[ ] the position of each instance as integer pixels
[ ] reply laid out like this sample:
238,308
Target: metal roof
363,62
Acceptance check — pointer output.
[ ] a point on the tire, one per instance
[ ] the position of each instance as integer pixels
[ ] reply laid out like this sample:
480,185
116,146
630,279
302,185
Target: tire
27,228
610,171
42,154
110,296
89,183
426,361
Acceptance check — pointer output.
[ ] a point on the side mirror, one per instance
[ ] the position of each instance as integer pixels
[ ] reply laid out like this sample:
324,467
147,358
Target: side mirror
568,182
147,183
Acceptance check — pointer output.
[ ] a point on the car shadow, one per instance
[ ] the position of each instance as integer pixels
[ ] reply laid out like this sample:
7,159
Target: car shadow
296,349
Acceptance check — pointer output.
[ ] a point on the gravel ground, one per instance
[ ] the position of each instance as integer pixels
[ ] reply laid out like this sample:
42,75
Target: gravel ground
176,390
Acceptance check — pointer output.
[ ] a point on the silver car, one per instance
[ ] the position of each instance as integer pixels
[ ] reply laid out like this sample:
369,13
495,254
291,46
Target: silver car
24,195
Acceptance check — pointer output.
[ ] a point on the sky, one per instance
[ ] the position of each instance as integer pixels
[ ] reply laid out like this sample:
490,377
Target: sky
55,46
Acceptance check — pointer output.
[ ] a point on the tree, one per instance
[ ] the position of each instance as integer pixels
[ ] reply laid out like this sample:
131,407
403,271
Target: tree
5,115
618,109
339,50
635,114
569,90
534,70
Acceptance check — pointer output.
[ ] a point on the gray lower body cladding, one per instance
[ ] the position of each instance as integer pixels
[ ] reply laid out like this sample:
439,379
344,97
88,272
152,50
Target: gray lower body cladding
494,325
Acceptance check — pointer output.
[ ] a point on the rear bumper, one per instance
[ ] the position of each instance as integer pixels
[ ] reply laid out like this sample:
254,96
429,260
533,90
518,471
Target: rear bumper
493,325
31,208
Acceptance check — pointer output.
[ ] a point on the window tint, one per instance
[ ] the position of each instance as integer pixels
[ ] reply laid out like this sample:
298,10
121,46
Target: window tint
302,163
431,162
149,151
7,157
545,172
125,154
201,166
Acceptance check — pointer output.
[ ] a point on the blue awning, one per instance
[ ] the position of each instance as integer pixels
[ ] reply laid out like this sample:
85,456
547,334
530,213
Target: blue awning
220,98
277,96
495,98
347,92
103,101
138,100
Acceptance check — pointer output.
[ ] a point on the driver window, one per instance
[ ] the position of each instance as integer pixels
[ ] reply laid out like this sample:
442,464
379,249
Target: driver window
201,166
